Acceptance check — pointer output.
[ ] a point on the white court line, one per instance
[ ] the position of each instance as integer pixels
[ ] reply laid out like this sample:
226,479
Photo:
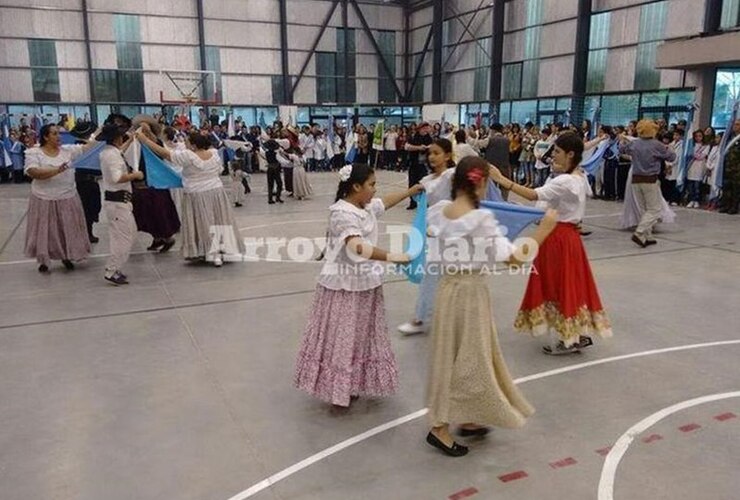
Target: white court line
95,256
609,470
270,481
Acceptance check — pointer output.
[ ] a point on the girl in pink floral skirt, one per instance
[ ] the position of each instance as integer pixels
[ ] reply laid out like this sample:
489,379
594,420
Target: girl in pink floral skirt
345,352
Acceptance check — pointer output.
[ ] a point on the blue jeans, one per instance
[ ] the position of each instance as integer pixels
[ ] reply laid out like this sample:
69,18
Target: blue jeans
694,191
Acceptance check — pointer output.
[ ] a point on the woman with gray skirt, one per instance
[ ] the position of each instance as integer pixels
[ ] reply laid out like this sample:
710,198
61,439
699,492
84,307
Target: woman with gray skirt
209,230
56,227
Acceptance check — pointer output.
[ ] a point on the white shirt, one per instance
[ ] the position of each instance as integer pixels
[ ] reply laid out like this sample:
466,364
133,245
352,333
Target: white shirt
463,150
698,163
438,187
389,142
678,149
566,193
343,270
319,148
476,239
113,167
198,175
61,186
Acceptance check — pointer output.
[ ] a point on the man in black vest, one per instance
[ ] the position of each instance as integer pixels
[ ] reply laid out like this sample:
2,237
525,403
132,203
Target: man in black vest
417,147
273,172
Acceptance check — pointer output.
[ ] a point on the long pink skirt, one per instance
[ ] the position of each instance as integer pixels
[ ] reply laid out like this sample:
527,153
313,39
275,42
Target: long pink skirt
56,230
346,350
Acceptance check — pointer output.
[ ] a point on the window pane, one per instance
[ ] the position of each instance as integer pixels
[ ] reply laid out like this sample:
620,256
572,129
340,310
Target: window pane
131,86
730,13
530,78
387,44
326,83
534,12
681,98
532,37
547,104
45,85
596,70
266,115
619,109
504,115
523,111
42,53
646,76
277,89
482,74
126,28
346,88
654,99
652,21
564,103
105,85
600,24
726,90
512,76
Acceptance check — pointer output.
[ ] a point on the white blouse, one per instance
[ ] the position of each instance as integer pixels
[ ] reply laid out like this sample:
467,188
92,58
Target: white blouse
438,187
198,175
343,270
566,193
474,240
61,186
113,167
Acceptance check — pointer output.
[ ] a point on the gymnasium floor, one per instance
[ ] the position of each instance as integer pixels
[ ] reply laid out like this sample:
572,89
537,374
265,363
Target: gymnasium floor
179,385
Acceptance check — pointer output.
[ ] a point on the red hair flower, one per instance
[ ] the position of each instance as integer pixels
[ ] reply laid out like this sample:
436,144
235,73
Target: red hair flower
475,175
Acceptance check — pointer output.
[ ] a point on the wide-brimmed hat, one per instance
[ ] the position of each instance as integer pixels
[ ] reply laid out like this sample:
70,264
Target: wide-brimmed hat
153,123
83,130
117,116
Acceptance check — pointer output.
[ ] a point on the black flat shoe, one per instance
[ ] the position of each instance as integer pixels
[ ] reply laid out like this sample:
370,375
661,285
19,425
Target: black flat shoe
638,241
560,349
456,450
155,245
650,242
167,245
43,268
68,264
479,432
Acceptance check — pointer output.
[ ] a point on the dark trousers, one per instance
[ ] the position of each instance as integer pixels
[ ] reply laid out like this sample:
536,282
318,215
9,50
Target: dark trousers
669,191
623,171
288,174
609,186
417,171
390,158
274,182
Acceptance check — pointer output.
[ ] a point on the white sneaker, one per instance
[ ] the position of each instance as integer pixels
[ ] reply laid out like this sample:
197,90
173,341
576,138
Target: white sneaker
412,329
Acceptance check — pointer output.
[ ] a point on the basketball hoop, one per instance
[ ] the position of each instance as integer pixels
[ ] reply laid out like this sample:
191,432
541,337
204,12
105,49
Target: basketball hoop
188,88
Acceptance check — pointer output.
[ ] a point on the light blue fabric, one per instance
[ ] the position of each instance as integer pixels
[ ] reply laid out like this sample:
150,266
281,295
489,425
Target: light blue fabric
493,193
513,218
159,174
90,159
427,292
416,245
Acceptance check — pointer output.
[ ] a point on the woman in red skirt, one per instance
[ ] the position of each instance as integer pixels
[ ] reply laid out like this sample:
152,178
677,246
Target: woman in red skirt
561,295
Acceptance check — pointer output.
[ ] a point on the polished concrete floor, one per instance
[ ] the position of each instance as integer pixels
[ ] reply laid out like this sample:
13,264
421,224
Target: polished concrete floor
178,386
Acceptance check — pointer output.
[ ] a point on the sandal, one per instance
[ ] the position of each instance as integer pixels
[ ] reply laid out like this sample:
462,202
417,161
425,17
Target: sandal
560,349
585,341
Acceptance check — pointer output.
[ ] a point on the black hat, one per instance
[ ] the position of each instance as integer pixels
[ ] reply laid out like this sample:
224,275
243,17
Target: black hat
110,133
117,116
83,130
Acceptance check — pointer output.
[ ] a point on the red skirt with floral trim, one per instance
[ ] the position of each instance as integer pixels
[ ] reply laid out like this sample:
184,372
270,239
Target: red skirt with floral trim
561,294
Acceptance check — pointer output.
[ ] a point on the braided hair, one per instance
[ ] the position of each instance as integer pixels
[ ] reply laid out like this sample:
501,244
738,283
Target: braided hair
468,175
